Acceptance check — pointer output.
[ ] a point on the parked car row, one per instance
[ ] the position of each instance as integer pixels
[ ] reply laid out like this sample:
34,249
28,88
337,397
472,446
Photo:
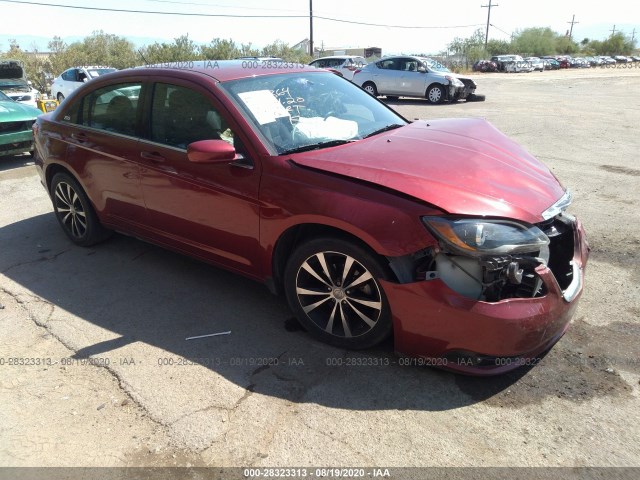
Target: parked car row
515,63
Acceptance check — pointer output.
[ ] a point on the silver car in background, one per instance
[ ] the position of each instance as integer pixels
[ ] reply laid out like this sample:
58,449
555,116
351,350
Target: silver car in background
408,76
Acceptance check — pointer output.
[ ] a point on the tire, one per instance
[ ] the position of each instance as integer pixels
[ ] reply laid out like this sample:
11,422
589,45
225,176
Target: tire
435,94
60,97
476,98
370,88
75,213
345,317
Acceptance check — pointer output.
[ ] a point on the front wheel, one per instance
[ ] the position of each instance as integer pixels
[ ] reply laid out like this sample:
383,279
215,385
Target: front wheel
370,88
435,94
332,287
74,212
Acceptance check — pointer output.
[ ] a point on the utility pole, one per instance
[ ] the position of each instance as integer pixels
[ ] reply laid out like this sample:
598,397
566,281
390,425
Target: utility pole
633,35
613,32
486,37
311,28
572,22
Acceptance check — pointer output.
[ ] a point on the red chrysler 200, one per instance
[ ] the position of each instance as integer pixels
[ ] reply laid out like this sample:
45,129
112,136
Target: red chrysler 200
445,234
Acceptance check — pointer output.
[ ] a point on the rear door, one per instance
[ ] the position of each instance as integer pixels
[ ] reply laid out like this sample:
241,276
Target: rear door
388,76
207,210
102,149
412,81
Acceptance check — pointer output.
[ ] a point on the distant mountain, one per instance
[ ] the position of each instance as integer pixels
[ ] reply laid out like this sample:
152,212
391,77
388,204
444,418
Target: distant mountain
31,42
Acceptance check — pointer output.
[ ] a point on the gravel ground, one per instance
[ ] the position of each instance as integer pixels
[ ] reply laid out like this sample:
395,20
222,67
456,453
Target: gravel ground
113,382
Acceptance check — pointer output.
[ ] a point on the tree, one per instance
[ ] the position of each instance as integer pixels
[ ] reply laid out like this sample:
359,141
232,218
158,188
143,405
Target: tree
280,49
221,49
535,41
181,49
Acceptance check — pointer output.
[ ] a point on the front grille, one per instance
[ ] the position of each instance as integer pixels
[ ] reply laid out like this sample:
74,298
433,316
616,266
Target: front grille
13,127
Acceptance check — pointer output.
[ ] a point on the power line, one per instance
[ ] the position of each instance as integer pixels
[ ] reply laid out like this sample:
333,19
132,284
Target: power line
572,22
486,37
229,15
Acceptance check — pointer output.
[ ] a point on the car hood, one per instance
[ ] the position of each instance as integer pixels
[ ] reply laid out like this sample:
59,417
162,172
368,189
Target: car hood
462,166
17,112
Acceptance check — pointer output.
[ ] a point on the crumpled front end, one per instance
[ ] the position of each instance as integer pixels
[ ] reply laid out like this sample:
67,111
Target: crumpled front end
494,313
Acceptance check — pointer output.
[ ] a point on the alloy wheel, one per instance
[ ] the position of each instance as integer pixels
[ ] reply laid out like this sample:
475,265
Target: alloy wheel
338,294
70,210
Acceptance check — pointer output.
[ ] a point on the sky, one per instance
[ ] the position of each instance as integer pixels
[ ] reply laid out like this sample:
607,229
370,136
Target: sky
596,19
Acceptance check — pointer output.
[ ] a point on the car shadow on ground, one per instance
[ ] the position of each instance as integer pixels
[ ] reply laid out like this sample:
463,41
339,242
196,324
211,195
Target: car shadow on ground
144,293
11,162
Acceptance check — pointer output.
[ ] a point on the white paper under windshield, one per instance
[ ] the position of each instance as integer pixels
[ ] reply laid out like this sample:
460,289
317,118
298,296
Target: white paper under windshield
263,105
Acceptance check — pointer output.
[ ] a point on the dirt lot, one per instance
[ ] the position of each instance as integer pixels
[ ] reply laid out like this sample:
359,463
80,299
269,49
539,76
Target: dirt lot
105,377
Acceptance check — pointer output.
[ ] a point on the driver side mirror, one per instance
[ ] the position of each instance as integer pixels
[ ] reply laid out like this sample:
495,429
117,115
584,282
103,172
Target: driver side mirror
210,151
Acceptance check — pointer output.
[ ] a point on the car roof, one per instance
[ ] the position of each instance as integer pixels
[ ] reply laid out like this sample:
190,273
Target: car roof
220,70
338,57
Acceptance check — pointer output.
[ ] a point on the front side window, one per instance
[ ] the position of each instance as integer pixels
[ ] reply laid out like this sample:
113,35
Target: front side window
113,108
180,116
306,110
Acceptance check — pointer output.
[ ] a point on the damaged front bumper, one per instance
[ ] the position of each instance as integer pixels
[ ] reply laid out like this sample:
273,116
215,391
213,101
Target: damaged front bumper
447,329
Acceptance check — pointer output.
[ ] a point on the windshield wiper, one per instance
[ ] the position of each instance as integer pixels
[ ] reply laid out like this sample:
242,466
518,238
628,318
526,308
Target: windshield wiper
317,146
393,126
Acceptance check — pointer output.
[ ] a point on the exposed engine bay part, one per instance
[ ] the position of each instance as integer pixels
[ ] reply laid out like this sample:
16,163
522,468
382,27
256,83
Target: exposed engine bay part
496,277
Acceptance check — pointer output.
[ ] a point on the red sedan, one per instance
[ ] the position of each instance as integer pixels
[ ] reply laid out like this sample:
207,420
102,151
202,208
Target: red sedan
445,234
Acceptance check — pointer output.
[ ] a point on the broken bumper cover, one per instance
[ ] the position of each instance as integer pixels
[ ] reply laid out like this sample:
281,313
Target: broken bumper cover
434,323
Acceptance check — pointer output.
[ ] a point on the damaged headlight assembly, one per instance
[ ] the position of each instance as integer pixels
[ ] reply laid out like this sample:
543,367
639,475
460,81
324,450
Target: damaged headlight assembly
488,259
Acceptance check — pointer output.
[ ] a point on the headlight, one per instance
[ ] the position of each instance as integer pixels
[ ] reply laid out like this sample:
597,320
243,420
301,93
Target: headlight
454,81
478,237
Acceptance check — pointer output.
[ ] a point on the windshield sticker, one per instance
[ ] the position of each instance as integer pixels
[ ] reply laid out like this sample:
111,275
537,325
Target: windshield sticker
264,106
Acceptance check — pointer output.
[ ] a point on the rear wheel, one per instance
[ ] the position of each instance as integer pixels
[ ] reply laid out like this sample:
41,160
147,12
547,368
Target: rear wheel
370,88
75,213
332,287
435,94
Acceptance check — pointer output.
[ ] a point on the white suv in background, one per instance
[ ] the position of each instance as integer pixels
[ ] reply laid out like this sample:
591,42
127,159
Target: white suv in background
345,65
72,78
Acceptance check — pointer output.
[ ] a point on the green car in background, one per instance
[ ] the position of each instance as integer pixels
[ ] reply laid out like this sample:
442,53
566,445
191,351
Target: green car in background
16,120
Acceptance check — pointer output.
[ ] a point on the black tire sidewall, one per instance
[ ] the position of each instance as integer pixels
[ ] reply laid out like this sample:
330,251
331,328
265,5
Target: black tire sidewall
384,324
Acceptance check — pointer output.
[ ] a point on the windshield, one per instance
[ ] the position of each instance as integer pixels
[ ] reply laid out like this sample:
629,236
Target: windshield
435,65
96,72
305,110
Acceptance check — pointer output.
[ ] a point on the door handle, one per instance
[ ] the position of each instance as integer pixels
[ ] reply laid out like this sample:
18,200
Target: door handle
155,157
80,137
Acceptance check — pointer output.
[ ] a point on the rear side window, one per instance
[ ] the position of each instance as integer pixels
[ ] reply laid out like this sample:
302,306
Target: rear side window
113,108
390,64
